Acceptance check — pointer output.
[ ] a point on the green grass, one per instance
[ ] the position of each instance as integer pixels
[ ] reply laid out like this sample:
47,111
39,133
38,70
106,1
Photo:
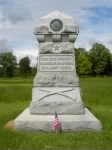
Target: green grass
15,96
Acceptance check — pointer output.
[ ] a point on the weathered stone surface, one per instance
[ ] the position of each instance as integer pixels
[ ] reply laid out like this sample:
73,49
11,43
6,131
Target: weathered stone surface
56,86
84,122
62,100
56,79
68,23
56,48
53,44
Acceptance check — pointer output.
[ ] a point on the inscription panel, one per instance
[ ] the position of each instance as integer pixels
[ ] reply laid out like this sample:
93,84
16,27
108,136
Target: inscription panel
56,63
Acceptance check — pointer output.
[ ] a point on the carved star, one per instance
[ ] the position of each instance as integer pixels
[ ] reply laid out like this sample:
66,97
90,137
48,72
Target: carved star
56,48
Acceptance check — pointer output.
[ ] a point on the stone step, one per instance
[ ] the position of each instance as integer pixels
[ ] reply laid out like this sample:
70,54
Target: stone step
84,122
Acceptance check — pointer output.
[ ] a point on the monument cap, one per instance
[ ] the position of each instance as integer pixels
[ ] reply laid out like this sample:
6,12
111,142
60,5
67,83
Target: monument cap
68,24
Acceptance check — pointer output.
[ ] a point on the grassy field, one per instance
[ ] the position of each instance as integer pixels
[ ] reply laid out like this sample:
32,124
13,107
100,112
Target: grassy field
15,95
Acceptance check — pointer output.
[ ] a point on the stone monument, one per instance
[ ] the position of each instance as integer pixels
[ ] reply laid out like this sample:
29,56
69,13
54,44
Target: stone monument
56,85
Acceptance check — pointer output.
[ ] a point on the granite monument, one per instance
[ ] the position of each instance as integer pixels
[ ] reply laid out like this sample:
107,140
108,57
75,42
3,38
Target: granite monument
56,85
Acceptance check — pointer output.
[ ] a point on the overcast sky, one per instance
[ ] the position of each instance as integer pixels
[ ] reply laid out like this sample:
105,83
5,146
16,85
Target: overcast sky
19,17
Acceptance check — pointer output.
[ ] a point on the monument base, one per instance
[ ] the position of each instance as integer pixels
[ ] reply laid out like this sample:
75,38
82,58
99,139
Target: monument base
83,122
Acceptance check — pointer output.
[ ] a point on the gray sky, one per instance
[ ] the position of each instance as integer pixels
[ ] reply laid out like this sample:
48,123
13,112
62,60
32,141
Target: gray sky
19,17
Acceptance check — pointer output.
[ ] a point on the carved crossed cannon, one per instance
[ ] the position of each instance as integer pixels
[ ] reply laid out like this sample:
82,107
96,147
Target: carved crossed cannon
62,92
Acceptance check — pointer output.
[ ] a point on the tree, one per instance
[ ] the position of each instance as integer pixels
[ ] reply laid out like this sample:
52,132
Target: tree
8,63
108,68
24,65
100,58
1,70
83,63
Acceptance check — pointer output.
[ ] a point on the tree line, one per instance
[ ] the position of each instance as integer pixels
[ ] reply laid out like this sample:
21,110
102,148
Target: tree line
10,68
96,61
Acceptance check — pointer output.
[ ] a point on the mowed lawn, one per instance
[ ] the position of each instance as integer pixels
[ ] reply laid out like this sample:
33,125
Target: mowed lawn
15,96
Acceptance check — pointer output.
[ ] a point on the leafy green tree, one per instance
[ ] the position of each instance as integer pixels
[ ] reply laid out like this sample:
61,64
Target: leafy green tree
108,69
8,63
100,58
24,65
34,71
77,53
83,64
110,65
1,70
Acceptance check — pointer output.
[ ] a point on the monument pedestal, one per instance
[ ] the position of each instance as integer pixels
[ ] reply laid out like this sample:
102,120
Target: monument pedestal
64,100
83,122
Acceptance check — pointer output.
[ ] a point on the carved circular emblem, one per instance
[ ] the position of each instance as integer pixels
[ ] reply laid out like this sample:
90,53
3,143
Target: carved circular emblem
56,25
